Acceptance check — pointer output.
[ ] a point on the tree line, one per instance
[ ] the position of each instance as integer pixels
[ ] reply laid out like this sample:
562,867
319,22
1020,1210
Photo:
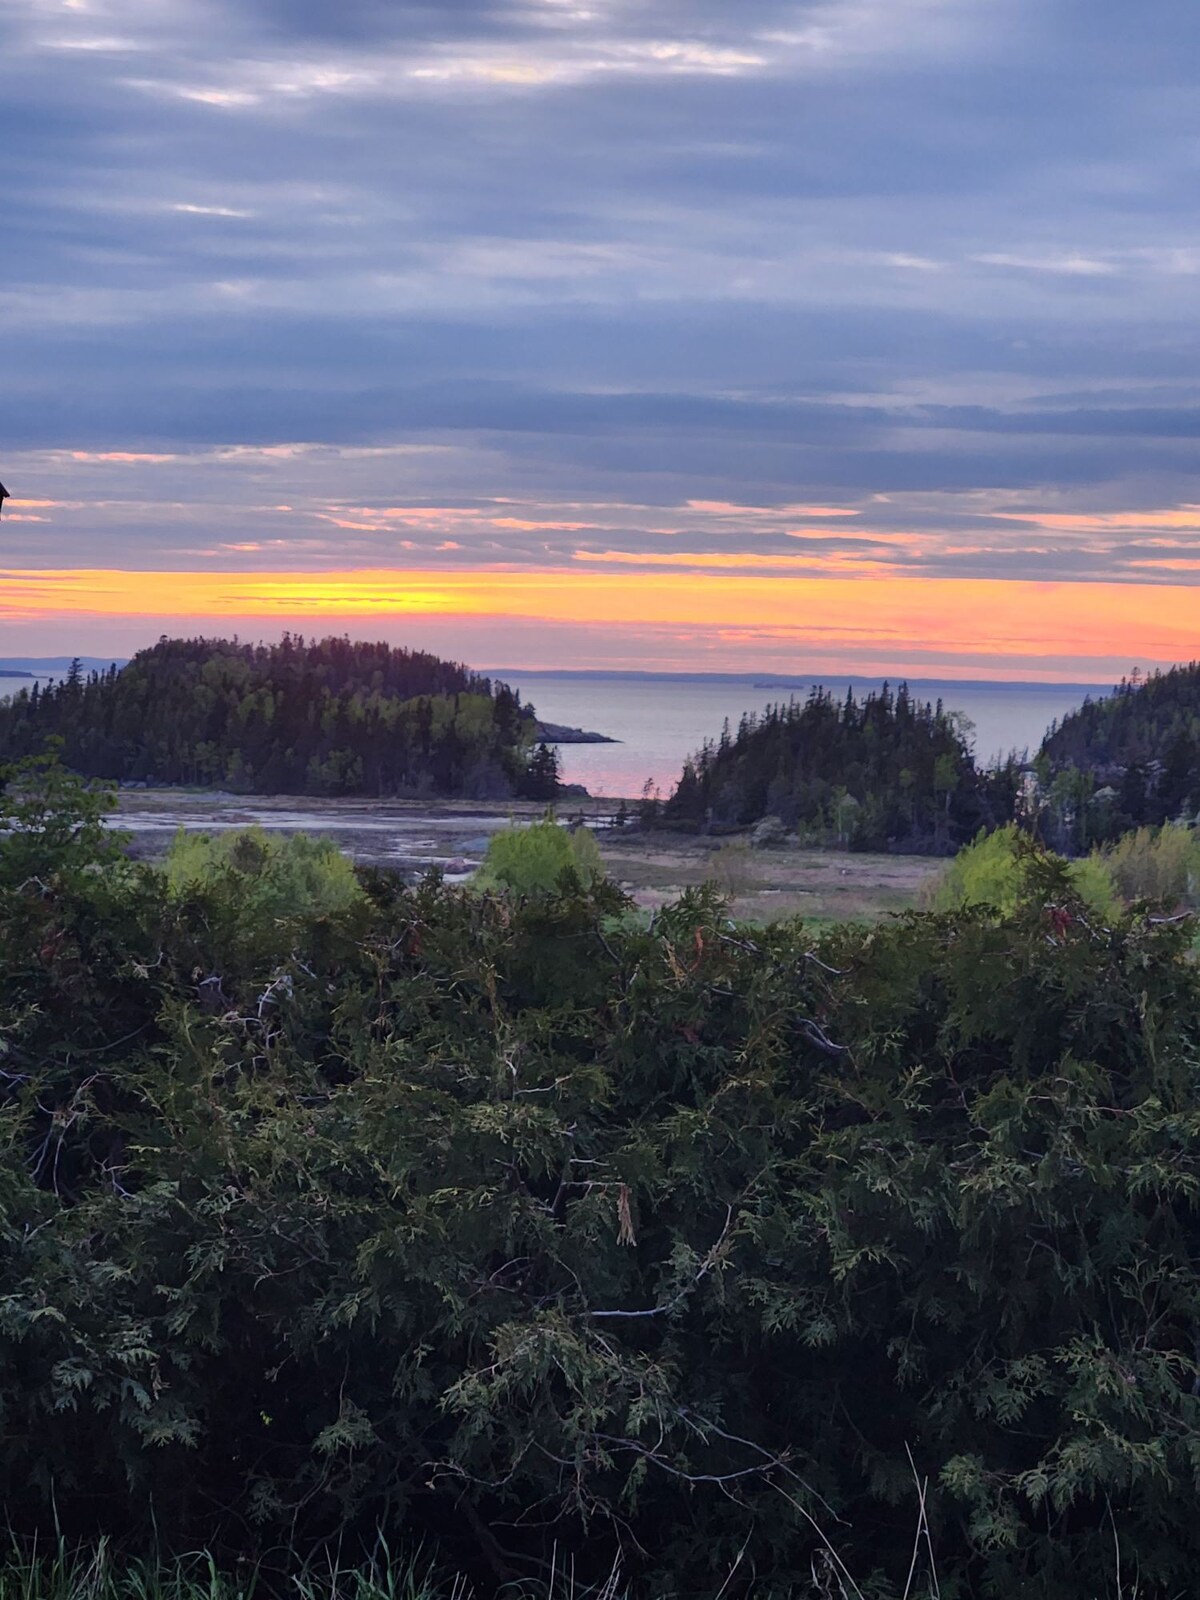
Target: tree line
1127,760
322,717
891,772
884,772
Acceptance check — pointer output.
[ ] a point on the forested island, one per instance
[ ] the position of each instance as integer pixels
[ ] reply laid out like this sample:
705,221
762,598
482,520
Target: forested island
886,772
889,772
327,717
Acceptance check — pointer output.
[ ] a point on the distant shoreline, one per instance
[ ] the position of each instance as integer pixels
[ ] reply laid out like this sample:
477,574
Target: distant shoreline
559,733
758,680
48,666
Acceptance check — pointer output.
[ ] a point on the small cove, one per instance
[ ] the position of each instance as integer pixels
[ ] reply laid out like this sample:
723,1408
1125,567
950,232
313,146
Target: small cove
661,719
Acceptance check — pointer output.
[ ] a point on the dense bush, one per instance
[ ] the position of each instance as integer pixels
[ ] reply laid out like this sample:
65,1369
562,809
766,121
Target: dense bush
1157,864
509,1224
537,858
997,869
271,876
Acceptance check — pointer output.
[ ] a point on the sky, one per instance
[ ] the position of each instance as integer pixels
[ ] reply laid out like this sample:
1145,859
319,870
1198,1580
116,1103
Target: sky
803,335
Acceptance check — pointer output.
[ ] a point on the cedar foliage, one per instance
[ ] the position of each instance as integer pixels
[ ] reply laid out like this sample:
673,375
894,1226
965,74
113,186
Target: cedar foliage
517,1226
889,772
327,717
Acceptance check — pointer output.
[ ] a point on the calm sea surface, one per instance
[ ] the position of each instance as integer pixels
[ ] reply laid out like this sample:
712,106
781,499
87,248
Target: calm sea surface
10,686
661,719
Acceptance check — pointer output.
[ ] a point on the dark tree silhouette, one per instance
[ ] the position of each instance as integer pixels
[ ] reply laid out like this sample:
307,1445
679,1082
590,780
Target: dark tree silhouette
330,717
1129,758
887,772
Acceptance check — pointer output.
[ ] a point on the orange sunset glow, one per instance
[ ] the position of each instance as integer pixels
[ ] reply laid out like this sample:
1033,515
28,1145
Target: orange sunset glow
1017,623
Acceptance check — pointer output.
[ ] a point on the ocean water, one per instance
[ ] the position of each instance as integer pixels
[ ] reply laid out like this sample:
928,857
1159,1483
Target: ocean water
10,686
660,720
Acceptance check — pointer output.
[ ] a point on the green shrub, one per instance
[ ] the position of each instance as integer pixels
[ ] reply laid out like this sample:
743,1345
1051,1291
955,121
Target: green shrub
730,868
1158,864
256,891
1093,883
53,822
272,876
539,858
994,871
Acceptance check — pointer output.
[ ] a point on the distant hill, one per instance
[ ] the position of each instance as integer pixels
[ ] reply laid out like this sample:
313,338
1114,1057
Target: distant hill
327,717
886,772
50,666
1137,751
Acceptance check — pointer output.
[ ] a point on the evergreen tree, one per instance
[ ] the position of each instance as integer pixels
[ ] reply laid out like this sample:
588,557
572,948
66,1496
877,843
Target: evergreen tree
541,780
885,773
323,717
1142,741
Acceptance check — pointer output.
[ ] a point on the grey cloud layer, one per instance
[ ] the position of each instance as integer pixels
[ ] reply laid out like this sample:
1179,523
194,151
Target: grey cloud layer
636,256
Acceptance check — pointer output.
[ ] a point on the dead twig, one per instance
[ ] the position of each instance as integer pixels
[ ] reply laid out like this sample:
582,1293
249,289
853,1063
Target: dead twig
706,1267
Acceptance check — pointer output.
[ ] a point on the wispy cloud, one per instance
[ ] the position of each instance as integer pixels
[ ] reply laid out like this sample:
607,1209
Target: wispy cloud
1073,265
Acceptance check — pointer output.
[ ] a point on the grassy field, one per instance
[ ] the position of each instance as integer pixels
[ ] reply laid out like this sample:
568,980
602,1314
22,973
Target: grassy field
765,885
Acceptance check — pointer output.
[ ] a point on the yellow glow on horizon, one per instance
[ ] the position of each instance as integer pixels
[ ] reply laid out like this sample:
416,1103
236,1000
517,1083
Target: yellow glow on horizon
1015,622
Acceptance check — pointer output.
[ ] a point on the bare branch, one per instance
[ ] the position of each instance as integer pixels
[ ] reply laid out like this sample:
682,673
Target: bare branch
706,1267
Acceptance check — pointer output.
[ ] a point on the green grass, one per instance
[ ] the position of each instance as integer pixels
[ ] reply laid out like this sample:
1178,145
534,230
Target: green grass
99,1572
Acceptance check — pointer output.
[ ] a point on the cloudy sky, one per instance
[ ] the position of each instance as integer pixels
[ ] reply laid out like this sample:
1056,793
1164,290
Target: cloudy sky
688,333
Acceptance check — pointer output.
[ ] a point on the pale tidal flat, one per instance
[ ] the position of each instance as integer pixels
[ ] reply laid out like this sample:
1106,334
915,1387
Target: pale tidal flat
654,868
